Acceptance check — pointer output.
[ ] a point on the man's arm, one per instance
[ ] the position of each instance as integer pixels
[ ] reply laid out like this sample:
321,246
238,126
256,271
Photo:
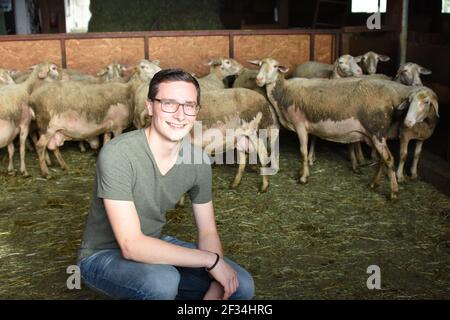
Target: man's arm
138,247
208,239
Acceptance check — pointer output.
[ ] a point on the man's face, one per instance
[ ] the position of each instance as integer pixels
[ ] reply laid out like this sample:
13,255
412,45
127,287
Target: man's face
173,126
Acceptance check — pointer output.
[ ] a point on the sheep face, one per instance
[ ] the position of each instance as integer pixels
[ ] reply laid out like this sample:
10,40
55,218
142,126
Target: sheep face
370,61
226,67
5,77
347,66
409,74
111,72
422,103
148,68
268,71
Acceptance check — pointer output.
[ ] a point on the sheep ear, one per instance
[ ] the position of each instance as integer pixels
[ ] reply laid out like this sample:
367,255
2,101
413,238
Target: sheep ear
283,69
102,72
255,62
435,105
357,59
214,63
383,58
423,70
403,105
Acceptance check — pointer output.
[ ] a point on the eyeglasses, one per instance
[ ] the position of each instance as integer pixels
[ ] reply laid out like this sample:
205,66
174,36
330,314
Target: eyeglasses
171,106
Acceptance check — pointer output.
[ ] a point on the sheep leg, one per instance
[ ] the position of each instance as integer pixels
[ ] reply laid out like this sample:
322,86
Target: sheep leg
24,130
264,160
241,169
312,151
35,141
274,150
182,200
388,161
60,159
303,138
82,147
417,152
351,149
41,148
10,158
404,141
377,177
359,153
106,137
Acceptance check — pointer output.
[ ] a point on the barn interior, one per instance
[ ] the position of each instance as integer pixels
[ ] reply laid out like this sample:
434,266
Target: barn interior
306,242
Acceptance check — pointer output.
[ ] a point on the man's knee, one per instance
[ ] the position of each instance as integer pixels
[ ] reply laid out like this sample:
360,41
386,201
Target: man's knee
162,287
246,289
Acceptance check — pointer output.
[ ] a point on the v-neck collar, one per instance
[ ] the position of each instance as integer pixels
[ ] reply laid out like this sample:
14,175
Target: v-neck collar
150,153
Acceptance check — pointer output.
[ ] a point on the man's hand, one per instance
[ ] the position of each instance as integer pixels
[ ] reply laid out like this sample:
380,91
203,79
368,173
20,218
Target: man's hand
226,276
215,291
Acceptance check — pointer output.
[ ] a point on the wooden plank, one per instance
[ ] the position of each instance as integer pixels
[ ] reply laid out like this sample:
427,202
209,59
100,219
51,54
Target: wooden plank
189,53
90,55
22,55
289,50
323,48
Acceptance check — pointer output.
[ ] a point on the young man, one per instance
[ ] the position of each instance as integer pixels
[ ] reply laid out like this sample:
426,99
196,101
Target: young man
138,179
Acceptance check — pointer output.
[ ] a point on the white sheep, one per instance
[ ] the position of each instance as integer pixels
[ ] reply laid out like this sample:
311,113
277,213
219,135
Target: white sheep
344,110
15,113
219,69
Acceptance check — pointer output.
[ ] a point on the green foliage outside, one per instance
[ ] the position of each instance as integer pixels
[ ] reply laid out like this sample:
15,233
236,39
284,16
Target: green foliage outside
145,15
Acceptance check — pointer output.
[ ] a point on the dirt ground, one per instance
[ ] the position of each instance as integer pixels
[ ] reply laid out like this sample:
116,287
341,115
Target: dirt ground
311,241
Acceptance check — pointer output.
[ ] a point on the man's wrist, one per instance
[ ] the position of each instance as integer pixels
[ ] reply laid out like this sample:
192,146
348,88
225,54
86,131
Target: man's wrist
214,264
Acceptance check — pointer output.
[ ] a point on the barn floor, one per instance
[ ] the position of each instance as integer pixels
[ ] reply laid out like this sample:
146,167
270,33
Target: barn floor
311,241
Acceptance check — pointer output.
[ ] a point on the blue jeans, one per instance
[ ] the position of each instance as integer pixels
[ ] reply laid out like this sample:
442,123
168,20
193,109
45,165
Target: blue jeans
108,272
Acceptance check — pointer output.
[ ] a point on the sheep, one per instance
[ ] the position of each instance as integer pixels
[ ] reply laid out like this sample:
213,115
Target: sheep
15,113
244,112
146,70
344,110
219,69
409,74
247,79
75,111
344,66
111,72
5,77
369,61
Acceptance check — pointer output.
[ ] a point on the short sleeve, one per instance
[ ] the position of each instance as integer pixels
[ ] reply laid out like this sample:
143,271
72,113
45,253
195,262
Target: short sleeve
201,192
114,175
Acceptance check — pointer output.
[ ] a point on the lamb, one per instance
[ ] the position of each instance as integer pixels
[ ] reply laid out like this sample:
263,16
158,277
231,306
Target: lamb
75,111
244,112
345,110
15,113
219,69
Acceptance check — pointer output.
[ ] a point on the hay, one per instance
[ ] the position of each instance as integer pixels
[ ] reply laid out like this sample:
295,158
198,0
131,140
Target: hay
311,241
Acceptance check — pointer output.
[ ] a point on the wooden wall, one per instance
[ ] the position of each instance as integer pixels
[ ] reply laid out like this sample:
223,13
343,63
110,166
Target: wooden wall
189,50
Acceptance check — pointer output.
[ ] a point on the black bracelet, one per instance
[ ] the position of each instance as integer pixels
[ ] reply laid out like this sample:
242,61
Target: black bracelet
215,263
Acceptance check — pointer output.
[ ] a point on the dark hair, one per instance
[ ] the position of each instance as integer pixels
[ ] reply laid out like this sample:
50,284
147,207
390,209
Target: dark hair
171,75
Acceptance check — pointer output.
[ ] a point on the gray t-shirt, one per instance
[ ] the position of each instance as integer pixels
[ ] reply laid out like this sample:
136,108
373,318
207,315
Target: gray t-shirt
126,170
